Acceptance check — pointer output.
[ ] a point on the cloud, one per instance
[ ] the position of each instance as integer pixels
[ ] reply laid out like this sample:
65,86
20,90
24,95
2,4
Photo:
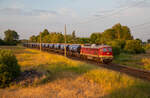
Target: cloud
135,3
23,12
67,12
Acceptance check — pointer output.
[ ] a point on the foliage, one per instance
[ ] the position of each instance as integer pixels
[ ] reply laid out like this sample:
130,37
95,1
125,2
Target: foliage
73,34
148,41
138,39
56,37
146,62
117,32
11,37
147,46
96,38
44,33
134,46
69,38
73,38
33,38
108,35
48,37
122,32
1,42
116,47
83,40
9,68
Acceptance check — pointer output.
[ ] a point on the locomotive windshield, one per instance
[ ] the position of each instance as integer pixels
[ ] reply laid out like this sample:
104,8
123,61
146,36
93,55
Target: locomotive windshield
104,50
107,50
110,50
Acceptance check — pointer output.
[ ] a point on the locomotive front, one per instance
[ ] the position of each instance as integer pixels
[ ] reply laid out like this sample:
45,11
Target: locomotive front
105,53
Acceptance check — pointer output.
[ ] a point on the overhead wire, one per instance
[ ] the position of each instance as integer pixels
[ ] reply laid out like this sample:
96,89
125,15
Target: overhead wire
114,13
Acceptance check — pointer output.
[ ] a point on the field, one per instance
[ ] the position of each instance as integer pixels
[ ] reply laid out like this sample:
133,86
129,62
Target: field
141,61
47,75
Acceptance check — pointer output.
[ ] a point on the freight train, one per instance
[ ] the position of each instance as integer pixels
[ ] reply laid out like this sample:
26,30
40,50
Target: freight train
98,53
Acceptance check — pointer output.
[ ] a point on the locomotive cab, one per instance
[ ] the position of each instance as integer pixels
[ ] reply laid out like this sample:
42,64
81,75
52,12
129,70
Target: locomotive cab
105,53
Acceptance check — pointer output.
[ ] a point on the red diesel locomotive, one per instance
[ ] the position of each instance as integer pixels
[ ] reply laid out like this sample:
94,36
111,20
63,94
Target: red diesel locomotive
100,53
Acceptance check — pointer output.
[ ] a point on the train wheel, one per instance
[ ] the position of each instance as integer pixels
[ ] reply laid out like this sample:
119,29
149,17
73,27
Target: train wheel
85,57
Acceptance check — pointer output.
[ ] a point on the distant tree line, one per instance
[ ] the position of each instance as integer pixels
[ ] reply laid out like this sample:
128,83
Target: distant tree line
117,32
11,38
119,37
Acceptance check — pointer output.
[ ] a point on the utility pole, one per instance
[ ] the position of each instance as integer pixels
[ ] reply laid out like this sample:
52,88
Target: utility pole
65,41
40,42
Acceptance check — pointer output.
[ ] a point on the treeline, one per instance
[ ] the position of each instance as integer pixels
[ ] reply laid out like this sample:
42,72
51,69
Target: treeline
11,38
119,37
58,37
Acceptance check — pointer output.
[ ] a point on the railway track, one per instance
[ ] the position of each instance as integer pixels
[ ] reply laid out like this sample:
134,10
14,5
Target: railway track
138,73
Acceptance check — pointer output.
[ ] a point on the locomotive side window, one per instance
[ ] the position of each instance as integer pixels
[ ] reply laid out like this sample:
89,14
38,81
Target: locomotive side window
104,50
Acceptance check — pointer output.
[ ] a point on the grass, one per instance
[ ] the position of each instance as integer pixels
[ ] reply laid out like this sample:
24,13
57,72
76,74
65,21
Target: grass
140,61
70,73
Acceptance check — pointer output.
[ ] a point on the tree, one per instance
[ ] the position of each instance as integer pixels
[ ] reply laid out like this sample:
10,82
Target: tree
9,68
1,42
125,34
122,32
33,38
44,33
73,34
138,39
108,35
72,38
148,41
117,32
115,47
117,28
56,37
47,39
96,38
11,37
134,46
83,40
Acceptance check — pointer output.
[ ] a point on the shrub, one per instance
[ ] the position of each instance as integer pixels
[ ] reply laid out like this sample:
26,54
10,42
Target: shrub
147,46
9,68
1,42
121,43
146,62
116,47
134,46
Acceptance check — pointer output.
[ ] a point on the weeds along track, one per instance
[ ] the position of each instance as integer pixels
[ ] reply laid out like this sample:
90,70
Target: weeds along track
138,73
143,74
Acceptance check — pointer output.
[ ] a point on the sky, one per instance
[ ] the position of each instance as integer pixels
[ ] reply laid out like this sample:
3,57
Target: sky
29,17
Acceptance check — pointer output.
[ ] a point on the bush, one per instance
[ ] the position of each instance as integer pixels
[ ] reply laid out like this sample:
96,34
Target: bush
146,62
116,47
147,46
9,68
134,46
1,42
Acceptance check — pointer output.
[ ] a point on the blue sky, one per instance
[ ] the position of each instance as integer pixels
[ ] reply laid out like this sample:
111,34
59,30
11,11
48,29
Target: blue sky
29,17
